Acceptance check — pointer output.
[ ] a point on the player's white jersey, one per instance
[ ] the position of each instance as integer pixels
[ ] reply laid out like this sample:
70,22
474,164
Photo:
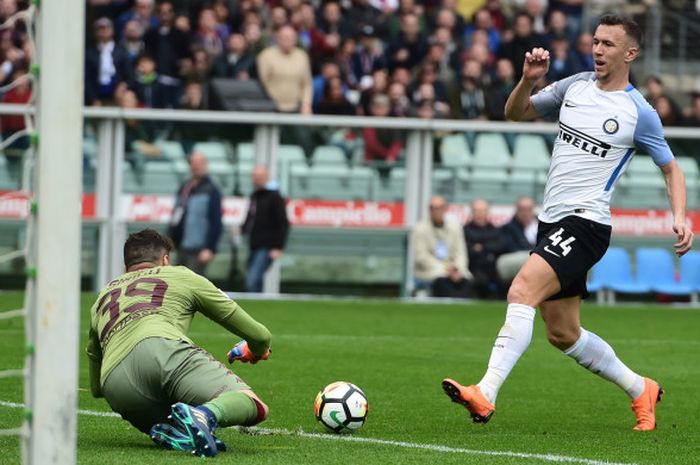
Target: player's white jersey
598,134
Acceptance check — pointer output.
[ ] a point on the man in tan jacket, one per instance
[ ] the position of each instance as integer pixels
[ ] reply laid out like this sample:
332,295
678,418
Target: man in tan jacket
285,71
440,254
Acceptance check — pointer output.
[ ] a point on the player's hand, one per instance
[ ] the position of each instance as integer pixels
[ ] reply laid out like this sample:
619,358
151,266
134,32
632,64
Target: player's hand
242,353
685,238
536,64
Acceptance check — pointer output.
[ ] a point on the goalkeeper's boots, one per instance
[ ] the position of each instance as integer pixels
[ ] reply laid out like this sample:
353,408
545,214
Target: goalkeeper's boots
196,431
644,406
471,398
167,436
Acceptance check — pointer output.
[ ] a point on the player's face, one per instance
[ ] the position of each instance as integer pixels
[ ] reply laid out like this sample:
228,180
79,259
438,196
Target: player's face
612,51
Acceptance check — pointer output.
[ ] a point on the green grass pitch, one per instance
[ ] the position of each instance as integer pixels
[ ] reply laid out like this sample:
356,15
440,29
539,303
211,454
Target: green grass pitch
398,353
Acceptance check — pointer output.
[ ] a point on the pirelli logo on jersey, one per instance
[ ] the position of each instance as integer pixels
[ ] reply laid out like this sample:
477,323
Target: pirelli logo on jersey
583,141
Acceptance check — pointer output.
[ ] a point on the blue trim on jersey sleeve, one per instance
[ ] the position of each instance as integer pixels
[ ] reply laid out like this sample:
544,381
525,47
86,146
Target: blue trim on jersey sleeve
629,88
649,134
618,168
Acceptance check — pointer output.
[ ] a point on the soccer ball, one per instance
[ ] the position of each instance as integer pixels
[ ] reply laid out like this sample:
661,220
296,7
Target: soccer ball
341,407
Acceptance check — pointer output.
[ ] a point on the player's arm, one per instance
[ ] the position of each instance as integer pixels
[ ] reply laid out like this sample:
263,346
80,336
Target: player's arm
94,353
675,187
519,107
649,136
217,306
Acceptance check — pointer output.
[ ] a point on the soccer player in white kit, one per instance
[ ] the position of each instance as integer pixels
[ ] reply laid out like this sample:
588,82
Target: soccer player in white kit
602,120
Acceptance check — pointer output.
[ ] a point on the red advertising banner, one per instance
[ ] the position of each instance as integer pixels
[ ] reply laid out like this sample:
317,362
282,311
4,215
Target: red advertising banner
343,214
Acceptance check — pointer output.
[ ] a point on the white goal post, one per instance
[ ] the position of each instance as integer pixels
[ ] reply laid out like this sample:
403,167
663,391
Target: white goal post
55,305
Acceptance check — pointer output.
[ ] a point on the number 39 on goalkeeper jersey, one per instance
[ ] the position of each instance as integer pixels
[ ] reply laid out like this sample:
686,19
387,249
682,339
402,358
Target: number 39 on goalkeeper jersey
599,132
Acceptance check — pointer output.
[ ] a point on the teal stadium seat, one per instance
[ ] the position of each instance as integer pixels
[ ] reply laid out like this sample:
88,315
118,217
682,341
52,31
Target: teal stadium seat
215,151
393,188
491,151
159,178
642,186
172,150
455,152
329,155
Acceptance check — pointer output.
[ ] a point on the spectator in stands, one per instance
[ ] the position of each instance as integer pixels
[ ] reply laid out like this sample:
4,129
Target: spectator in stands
450,20
519,237
236,62
379,85
253,36
472,94
11,55
426,105
285,72
582,54
523,41
653,87
427,76
440,255
573,10
498,92
334,101
329,70
142,12
333,24
193,97
132,40
483,22
367,58
11,124
362,13
409,47
450,55
201,65
536,10
556,27
266,226
484,245
210,35
150,92
406,7
693,118
196,225
106,65
398,98
667,110
311,38
561,63
382,146
139,134
170,48
344,58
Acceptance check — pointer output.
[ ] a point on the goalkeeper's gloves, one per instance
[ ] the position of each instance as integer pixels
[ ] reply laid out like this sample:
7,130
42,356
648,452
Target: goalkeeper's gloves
242,353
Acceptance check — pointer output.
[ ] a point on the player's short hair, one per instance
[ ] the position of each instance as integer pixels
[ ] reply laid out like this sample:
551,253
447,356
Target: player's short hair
630,26
145,246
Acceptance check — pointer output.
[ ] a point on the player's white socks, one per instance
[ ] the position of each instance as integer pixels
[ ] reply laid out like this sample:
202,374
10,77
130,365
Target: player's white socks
512,340
593,353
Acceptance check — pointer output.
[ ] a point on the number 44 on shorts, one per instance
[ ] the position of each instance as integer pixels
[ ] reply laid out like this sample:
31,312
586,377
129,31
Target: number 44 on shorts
556,240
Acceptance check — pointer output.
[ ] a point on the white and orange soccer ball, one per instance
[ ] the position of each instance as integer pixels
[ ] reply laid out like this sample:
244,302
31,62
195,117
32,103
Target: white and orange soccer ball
341,407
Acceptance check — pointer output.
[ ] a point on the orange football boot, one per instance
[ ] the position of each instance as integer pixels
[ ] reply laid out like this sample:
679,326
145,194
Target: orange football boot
471,398
644,406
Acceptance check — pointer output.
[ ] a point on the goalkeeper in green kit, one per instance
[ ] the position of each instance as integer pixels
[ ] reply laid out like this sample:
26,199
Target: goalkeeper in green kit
144,365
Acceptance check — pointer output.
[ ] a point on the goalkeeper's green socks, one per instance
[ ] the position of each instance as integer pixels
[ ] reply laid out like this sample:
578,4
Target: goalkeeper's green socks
233,408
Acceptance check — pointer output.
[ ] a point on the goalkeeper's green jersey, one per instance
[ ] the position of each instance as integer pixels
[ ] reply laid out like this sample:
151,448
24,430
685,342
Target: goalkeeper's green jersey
160,302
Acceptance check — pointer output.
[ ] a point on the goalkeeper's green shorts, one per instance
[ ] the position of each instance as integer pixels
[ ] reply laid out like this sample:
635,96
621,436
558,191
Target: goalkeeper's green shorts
159,372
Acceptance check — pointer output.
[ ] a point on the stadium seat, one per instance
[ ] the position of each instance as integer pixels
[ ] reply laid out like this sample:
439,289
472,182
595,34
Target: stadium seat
530,158
215,151
393,188
655,267
159,178
455,152
242,183
172,150
245,152
329,155
614,272
491,150
332,182
690,272
291,154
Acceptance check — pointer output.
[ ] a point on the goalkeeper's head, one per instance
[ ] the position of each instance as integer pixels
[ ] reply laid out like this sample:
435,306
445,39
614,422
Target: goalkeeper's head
146,247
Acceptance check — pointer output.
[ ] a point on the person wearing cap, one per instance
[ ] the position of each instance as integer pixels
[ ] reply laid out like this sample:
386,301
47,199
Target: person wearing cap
106,65
367,57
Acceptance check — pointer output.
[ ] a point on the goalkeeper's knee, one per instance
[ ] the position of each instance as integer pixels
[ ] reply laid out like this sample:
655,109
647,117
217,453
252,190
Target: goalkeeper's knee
261,409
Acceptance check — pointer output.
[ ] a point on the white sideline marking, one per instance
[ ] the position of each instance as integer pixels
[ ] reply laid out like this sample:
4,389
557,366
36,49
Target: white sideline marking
382,442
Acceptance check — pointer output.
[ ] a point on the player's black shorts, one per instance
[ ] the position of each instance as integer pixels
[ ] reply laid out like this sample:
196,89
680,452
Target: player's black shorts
572,246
